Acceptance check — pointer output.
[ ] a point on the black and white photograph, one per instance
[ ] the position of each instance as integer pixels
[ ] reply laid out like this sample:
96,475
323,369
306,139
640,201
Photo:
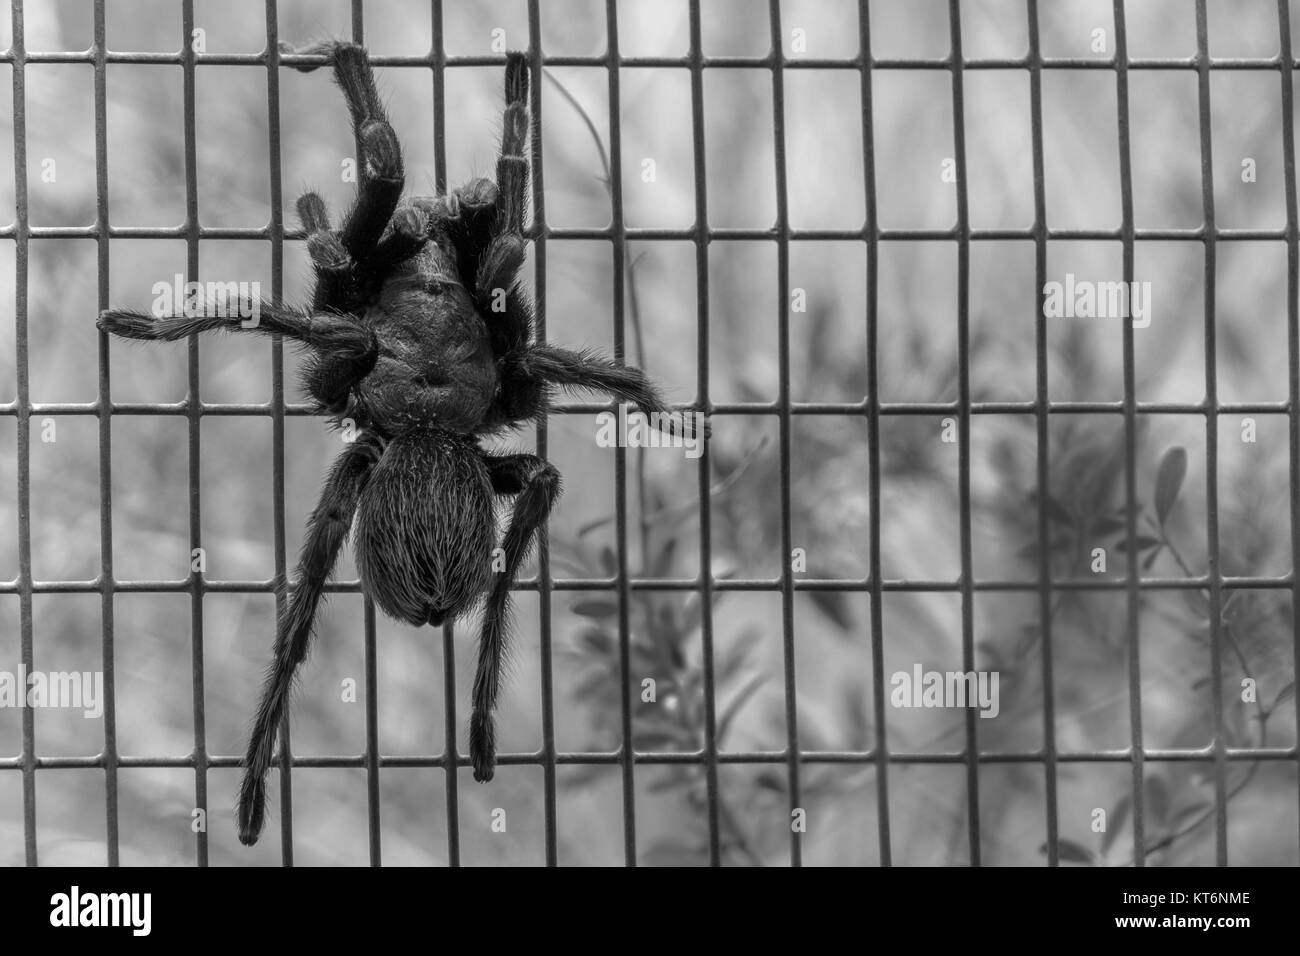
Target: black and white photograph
663,433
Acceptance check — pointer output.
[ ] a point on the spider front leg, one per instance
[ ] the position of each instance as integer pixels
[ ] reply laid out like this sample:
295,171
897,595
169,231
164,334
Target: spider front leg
537,484
326,531
498,264
381,173
336,285
317,330
341,284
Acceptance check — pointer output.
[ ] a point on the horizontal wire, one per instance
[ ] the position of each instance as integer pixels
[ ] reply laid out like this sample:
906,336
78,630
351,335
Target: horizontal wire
691,234
767,61
1030,407
612,759
909,585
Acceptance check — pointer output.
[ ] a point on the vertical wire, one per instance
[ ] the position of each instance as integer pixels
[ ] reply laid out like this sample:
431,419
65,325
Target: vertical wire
277,365
372,735
783,403
1041,411
964,417
451,750
873,439
193,412
21,238
104,412
1137,752
1287,67
371,656
545,647
701,240
1212,438
627,754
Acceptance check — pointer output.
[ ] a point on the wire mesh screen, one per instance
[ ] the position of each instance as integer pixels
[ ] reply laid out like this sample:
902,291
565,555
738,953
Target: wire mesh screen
993,307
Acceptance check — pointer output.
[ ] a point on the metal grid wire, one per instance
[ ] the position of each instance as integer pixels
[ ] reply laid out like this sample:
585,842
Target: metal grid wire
792,757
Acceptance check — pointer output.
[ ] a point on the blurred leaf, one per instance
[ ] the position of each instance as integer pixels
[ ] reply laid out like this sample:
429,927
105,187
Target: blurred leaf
693,612
988,651
1187,814
572,558
581,775
729,661
737,701
663,561
597,684
1115,821
674,853
1030,551
1285,694
675,781
835,605
770,780
598,641
859,719
1107,525
1197,602
660,618
1028,640
595,607
1071,852
1157,795
664,733
608,561
1140,543
1169,481
1055,510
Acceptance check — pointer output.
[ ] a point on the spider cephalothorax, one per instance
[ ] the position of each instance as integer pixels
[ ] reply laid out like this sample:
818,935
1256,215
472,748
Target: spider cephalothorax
422,342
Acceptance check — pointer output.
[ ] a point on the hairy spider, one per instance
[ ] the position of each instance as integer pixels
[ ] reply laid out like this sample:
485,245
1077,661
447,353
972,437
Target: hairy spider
420,336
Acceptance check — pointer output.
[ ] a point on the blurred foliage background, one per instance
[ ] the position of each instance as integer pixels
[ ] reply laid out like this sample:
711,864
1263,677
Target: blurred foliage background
917,359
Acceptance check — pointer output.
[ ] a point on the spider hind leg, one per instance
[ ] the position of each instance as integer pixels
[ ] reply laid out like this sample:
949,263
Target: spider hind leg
536,484
326,531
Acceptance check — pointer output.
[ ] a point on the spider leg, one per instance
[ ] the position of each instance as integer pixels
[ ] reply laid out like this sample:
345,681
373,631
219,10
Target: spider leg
330,377
335,284
323,331
311,210
382,181
497,268
480,211
471,214
346,350
537,484
512,166
382,175
326,531
552,365
406,234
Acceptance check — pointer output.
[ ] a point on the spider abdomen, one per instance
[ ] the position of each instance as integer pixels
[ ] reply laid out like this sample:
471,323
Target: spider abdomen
425,527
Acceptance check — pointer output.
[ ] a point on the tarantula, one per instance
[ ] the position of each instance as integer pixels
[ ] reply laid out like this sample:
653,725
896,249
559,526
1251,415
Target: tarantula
420,336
